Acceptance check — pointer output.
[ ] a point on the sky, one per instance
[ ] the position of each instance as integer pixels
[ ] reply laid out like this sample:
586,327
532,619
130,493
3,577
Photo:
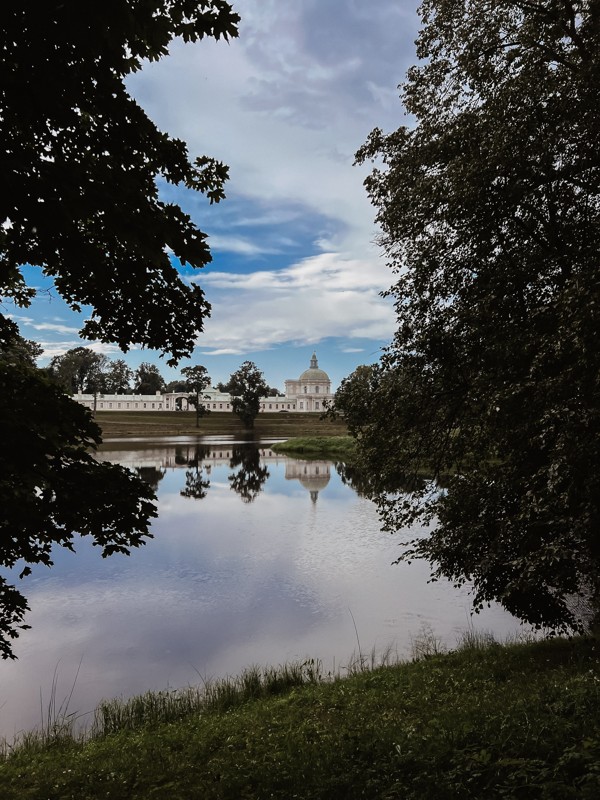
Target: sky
295,265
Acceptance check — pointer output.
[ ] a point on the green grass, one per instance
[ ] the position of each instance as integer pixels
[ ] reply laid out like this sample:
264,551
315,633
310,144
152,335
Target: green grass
333,447
486,721
168,423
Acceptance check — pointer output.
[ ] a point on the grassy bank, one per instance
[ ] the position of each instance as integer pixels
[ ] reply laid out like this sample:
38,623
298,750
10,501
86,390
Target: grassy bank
168,423
484,722
332,447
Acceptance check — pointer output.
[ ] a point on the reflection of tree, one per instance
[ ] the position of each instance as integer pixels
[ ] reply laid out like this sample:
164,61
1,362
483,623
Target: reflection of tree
359,480
152,475
196,484
248,481
196,479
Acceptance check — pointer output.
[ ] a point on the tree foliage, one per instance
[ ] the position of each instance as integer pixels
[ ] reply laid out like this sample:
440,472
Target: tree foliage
80,163
247,385
197,381
148,380
490,214
52,487
117,377
79,370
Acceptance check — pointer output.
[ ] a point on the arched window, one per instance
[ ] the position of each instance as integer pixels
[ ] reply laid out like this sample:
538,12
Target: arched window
317,389
305,389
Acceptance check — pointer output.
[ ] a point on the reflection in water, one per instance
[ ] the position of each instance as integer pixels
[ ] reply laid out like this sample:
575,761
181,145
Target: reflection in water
152,475
225,584
313,475
197,482
250,479
353,478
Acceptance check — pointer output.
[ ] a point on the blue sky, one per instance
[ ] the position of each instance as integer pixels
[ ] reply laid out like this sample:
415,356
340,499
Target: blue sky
286,106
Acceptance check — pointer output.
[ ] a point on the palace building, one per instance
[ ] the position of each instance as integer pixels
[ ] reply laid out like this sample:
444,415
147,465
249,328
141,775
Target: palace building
304,394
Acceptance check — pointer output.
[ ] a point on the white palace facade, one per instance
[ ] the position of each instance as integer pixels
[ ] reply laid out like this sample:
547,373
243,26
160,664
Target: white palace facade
304,394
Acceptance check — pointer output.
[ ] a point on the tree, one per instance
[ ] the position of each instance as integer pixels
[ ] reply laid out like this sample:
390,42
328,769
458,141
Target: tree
489,208
81,163
176,386
226,388
197,381
17,350
79,370
52,486
229,387
148,380
247,387
117,377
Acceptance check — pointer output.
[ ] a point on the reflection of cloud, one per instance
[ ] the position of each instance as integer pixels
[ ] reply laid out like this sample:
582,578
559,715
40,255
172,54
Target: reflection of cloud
221,586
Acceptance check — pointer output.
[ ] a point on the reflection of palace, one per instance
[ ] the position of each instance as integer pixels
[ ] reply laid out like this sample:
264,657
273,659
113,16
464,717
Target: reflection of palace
302,394
313,475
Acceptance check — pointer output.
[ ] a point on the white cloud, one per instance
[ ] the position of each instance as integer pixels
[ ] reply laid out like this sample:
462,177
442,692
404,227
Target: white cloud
320,297
52,349
324,272
234,244
288,103
54,327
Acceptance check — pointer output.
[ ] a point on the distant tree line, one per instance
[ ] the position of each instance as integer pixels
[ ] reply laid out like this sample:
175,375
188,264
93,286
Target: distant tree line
81,370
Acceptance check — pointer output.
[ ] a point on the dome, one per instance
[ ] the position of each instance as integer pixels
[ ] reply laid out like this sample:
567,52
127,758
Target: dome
313,374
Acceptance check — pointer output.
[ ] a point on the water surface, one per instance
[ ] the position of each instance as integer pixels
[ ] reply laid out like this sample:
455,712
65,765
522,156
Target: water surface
256,559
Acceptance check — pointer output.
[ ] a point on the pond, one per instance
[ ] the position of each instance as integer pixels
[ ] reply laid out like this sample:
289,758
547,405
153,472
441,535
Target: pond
257,558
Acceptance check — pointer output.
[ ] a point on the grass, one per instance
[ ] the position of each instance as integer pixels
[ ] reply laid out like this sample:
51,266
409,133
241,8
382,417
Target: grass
485,721
168,423
334,447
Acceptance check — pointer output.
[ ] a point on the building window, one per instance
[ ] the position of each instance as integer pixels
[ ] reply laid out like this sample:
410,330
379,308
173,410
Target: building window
270,405
305,389
317,389
152,405
144,405
220,405
301,405
317,404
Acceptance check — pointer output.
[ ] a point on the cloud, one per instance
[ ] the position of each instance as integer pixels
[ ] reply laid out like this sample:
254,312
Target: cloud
289,102
31,322
233,244
52,326
318,298
324,272
52,349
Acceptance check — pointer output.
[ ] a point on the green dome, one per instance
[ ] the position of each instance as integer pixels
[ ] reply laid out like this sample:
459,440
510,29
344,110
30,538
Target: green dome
313,374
